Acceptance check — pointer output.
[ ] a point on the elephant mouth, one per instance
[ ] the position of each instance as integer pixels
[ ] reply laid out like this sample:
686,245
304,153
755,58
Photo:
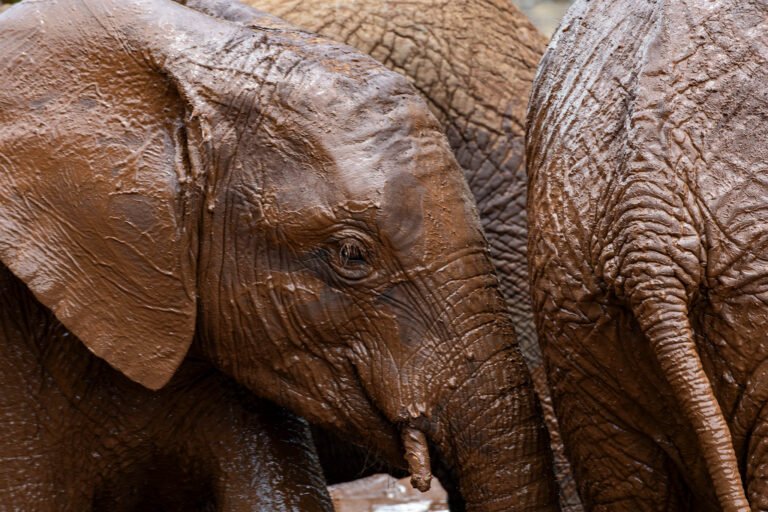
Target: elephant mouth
413,446
386,441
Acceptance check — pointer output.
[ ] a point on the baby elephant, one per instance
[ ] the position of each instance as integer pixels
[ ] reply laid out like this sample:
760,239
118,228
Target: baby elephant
649,221
218,205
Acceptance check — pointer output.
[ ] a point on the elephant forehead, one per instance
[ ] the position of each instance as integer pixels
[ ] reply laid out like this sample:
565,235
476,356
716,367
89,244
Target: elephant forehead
382,151
379,150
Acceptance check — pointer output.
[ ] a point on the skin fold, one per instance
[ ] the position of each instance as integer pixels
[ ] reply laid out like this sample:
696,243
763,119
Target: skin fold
647,250
198,199
474,62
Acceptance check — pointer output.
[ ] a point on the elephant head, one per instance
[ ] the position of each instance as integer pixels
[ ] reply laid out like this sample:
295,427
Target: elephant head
474,63
286,203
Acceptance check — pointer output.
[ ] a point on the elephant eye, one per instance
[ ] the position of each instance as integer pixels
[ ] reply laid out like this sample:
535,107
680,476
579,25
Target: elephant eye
350,259
351,253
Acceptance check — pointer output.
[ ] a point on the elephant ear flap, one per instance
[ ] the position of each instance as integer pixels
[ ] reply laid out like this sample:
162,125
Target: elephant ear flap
97,207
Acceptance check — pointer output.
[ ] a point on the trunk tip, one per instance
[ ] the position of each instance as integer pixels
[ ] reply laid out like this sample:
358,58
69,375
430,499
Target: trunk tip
422,482
417,456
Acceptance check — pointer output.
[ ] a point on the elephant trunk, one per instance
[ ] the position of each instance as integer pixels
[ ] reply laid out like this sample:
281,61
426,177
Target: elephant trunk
490,435
417,456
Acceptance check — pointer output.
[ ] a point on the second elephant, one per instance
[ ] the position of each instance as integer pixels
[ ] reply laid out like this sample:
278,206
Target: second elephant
647,164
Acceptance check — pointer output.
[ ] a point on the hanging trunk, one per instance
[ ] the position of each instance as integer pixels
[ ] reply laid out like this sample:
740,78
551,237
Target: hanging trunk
490,435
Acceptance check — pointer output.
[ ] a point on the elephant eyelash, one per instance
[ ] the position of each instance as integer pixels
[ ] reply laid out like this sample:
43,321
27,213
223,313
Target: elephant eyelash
351,252
349,257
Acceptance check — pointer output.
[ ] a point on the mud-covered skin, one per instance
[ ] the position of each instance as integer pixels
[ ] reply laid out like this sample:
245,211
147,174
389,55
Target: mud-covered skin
78,435
647,227
282,200
474,61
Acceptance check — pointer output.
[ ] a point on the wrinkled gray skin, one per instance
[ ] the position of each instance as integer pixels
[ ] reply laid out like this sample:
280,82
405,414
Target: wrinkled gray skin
648,225
281,203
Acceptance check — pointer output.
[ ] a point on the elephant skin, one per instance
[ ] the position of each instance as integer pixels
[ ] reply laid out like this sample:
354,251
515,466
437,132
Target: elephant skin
91,439
474,62
647,221
200,200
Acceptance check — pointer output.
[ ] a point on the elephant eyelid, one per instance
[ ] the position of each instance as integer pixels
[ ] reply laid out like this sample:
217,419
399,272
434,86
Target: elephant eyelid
351,238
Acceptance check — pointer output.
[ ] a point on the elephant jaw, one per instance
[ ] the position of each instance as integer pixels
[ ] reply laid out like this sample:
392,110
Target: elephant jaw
417,457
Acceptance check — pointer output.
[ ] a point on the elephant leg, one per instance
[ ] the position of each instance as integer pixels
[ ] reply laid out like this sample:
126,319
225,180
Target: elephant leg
29,490
600,375
617,468
261,457
29,481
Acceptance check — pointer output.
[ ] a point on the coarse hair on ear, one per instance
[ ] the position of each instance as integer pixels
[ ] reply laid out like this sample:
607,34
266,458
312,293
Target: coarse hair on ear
99,189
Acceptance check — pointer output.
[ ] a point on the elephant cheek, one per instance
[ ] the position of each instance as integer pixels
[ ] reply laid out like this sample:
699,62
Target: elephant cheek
353,336
317,315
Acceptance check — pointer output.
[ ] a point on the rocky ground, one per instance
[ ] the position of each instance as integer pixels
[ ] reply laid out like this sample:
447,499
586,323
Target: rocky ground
382,493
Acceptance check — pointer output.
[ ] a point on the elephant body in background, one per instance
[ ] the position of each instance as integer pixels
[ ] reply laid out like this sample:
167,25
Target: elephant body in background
196,200
647,210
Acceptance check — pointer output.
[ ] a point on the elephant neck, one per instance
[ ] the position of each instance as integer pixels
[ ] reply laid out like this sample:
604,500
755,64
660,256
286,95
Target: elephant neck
26,326
40,361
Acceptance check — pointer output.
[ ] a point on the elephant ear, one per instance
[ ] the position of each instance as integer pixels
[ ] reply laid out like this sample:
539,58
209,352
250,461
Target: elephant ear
96,194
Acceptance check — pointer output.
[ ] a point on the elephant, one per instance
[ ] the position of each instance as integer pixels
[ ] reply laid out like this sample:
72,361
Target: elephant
474,62
647,221
253,210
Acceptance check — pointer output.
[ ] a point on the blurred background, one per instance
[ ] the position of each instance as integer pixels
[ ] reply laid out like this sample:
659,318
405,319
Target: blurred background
545,14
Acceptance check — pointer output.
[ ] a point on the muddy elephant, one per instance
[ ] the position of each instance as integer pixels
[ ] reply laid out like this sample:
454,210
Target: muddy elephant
647,212
258,210
474,62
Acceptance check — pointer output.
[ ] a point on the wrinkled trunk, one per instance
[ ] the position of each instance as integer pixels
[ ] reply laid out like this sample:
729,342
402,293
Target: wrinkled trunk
466,392
491,436
479,415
